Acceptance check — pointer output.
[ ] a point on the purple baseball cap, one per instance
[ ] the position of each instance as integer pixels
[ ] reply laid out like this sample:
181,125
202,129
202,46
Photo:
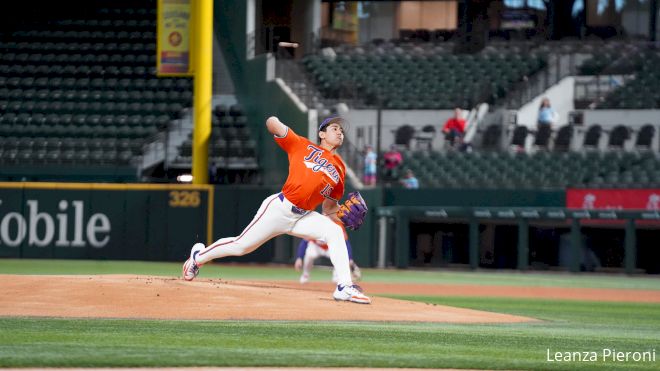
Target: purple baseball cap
333,120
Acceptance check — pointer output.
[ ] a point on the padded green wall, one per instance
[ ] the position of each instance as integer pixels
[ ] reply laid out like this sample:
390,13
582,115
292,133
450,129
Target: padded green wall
143,222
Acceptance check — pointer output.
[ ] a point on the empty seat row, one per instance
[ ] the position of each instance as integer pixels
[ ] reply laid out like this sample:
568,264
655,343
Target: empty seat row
82,131
222,110
543,170
420,81
120,119
80,29
128,12
42,156
562,140
223,148
108,47
112,23
92,71
133,145
227,121
84,95
78,57
54,83
231,132
71,107
61,37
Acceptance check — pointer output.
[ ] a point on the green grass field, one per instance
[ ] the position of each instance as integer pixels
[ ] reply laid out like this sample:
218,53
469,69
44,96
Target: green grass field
566,326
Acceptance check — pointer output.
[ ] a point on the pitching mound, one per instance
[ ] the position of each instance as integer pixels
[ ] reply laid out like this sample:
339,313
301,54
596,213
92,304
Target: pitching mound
531,292
123,296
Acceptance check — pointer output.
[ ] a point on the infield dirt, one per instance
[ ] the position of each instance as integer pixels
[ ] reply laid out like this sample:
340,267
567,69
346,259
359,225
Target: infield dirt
148,297
127,296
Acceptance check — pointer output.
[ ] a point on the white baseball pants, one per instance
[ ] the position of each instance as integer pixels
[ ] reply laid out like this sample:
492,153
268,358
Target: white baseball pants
277,216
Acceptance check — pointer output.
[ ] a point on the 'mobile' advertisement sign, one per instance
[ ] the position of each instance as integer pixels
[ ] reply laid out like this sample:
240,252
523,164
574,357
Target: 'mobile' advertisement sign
39,228
102,221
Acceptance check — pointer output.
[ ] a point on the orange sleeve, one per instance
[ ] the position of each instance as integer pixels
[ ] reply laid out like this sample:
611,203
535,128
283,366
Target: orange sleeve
288,141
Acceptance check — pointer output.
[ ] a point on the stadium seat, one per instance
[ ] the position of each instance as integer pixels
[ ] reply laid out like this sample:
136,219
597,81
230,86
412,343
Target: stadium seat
645,137
592,137
542,138
563,139
618,136
403,135
424,138
519,136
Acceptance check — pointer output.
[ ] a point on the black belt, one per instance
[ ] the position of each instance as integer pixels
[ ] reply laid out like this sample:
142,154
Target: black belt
294,209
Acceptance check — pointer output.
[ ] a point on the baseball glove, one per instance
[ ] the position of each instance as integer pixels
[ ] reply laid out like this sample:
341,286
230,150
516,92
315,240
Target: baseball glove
353,211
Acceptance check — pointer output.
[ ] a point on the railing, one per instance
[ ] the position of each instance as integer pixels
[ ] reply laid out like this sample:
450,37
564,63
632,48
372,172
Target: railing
291,72
559,66
566,58
590,90
164,145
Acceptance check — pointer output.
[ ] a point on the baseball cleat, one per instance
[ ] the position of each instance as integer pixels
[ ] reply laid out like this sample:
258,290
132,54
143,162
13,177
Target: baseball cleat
351,293
190,267
304,278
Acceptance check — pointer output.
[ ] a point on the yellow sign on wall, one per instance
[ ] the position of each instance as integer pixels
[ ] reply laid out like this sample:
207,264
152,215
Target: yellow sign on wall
174,38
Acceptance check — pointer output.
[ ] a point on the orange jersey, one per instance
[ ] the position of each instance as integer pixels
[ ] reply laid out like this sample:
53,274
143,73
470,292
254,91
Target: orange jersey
314,173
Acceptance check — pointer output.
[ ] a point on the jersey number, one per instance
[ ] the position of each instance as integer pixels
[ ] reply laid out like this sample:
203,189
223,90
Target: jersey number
326,191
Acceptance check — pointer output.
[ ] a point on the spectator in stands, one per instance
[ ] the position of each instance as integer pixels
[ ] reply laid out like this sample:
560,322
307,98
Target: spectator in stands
409,181
393,160
454,129
547,114
370,159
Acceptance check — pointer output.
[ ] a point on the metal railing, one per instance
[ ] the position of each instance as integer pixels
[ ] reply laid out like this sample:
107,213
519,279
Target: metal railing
591,90
559,66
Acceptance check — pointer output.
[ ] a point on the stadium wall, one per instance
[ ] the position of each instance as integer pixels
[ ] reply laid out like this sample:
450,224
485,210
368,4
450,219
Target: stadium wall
160,222
103,221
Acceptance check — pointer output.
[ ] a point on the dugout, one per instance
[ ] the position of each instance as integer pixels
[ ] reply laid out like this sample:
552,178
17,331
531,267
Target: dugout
519,238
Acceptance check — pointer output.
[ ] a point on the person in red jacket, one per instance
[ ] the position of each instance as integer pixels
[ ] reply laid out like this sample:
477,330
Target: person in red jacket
454,128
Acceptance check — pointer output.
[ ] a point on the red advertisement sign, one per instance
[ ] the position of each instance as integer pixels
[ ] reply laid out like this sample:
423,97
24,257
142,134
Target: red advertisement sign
613,199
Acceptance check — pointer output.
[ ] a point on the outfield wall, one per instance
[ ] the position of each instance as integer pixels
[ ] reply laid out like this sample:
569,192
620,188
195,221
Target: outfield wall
473,228
103,221
160,222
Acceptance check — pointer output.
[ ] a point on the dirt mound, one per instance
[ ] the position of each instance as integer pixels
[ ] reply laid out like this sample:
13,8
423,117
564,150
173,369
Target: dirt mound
531,292
124,296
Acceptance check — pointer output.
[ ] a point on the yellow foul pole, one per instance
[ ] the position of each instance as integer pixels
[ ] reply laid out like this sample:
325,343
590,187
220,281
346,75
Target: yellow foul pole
203,68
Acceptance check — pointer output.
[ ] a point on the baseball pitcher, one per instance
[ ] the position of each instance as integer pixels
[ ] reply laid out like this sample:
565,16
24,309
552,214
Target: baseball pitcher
316,177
